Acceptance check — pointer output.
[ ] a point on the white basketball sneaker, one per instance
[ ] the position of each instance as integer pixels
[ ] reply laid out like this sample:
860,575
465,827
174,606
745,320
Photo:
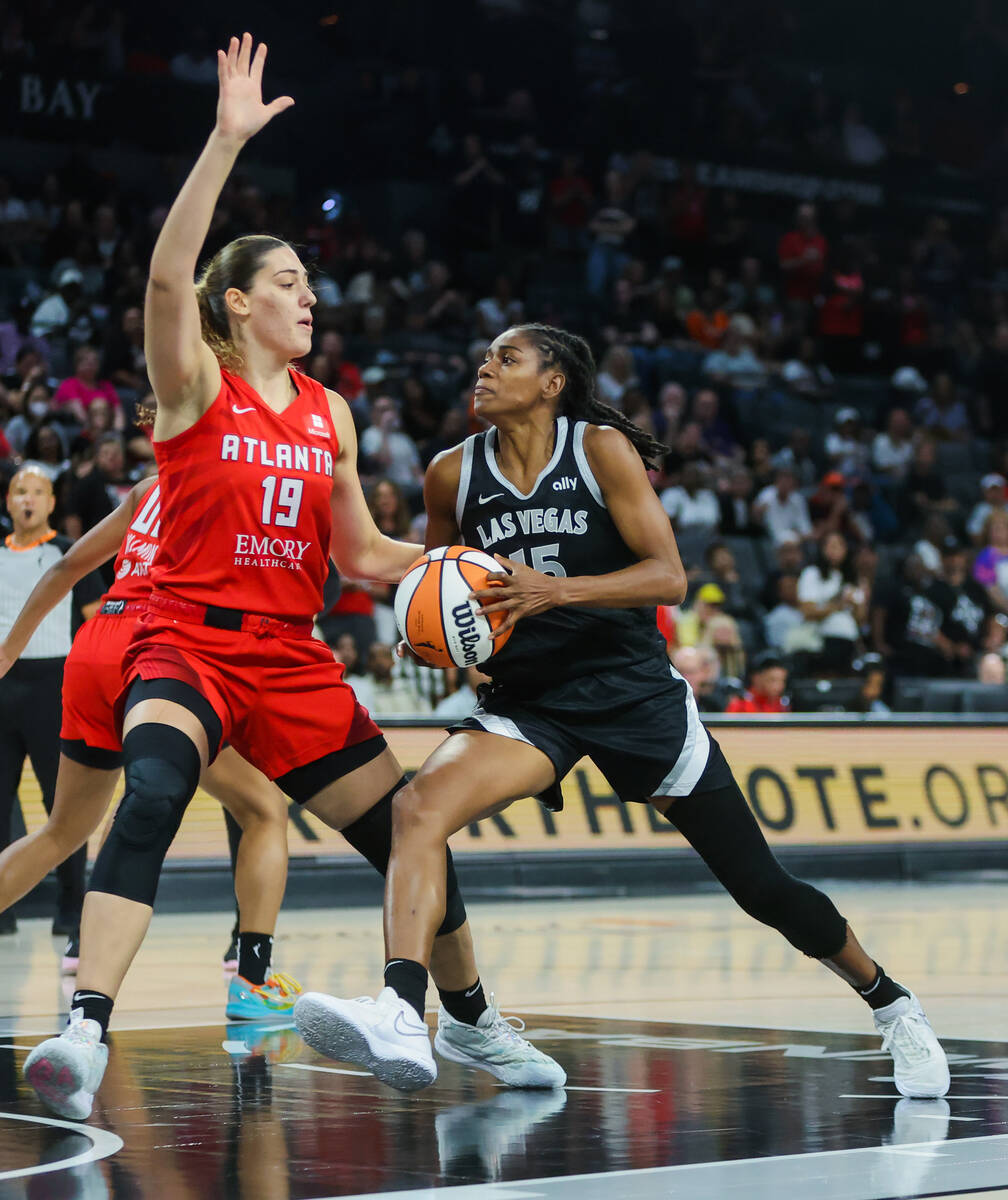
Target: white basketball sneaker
66,1071
494,1044
384,1035
920,1066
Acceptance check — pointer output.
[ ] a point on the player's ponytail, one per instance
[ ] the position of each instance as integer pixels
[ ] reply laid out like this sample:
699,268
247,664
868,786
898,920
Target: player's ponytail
233,266
579,398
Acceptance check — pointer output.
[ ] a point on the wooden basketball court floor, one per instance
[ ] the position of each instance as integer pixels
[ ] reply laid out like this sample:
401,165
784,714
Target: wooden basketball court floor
705,1058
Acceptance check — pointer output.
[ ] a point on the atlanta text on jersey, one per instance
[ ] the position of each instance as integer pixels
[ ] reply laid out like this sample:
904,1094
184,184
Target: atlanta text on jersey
531,521
284,455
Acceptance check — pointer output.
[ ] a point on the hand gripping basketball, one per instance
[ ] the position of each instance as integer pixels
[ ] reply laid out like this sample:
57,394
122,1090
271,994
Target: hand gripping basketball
440,623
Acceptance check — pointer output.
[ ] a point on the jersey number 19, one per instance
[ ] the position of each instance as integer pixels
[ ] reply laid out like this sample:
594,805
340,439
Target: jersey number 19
288,497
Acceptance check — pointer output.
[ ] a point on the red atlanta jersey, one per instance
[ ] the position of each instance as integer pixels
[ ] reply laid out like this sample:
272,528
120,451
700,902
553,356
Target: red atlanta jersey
136,554
245,502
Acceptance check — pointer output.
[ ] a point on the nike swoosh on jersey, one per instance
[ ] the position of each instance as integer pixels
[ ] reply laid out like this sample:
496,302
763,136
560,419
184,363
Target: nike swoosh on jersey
486,499
239,411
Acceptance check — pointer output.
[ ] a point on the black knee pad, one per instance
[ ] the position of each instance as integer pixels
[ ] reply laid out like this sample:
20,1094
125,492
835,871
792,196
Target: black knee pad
162,769
371,835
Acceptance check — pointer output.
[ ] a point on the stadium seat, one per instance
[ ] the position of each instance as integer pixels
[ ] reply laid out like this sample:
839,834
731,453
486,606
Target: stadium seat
908,695
824,695
985,698
943,695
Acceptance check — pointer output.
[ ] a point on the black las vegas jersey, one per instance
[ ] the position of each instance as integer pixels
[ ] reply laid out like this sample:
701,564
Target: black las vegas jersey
562,527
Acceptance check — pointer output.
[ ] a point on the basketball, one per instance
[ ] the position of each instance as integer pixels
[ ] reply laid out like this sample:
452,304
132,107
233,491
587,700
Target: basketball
435,614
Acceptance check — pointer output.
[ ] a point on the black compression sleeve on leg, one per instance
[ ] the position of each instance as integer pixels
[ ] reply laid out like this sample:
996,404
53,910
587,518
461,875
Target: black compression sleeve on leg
162,769
371,835
723,831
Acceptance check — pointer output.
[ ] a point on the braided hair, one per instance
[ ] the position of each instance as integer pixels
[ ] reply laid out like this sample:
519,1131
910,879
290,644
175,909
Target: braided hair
579,400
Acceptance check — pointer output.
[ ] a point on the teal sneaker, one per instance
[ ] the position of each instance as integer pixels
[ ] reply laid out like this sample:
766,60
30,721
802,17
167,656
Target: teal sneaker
252,1001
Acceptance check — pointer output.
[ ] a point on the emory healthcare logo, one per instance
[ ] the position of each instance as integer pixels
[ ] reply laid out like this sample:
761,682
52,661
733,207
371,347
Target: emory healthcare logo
253,551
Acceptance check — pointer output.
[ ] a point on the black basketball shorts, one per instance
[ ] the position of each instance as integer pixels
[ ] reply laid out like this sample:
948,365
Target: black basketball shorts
638,724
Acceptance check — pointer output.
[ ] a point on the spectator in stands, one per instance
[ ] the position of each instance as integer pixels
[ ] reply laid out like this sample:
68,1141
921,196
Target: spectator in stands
806,374
500,310
383,692
707,322
768,678
460,703
736,506
672,404
716,434
479,196
872,518
616,374
734,363
99,489
963,601
796,456
924,491
749,293
388,451
782,509
907,624
789,559
331,368
845,445
75,395
941,412
993,382
722,634
570,204
721,569
610,227
801,255
45,448
928,547
990,568
57,312
991,669
785,616
832,604
701,668
992,489
124,358
893,450
690,504
761,463
829,508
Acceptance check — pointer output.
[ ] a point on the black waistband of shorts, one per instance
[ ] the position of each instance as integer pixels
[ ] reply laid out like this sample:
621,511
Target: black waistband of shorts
233,619
120,608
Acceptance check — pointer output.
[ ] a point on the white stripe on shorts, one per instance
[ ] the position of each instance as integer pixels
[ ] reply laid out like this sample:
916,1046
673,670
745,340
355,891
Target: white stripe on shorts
502,725
692,760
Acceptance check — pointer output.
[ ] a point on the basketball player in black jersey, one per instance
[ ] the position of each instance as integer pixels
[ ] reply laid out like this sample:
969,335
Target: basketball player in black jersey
557,490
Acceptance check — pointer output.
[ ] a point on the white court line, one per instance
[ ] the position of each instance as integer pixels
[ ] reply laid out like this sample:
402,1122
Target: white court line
896,1096
634,1091
103,1144
328,1070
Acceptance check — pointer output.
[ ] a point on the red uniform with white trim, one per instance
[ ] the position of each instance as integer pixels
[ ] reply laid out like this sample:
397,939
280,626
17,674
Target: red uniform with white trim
245,496
93,674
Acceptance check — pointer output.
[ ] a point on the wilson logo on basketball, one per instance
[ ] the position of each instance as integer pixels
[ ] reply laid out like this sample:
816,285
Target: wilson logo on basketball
465,623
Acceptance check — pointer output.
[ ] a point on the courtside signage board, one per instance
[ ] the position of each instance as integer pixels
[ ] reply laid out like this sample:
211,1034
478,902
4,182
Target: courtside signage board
827,786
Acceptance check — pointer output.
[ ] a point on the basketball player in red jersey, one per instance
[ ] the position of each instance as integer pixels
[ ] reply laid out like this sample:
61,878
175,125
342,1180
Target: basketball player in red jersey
91,750
257,470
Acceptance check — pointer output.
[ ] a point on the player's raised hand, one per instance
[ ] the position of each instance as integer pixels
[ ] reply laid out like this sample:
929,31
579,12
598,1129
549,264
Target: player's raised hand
241,112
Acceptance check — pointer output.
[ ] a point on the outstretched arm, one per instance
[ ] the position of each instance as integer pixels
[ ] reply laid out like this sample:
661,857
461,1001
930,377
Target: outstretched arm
97,546
182,368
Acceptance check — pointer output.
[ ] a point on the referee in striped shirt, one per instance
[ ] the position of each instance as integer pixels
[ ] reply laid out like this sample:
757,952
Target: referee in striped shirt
30,704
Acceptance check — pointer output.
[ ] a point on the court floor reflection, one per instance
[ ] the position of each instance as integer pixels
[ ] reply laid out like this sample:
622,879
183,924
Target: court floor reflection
651,1109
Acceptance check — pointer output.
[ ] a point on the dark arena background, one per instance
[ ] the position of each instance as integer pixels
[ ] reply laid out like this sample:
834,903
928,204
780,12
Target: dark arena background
783,230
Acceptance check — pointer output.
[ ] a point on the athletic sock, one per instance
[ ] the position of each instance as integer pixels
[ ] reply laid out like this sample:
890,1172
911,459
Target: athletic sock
883,991
254,953
408,979
97,1007
467,1005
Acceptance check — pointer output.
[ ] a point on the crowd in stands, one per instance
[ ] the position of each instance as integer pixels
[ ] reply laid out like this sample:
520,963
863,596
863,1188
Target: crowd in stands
832,391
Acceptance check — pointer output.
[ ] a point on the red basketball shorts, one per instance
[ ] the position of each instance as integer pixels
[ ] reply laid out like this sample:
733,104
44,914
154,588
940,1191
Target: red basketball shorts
281,701
93,679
